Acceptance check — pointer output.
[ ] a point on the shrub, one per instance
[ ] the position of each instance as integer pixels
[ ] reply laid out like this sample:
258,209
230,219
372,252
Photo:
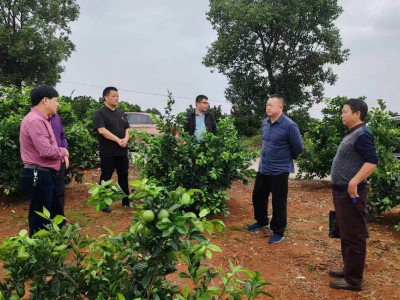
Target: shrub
132,265
321,141
14,105
177,159
324,136
10,157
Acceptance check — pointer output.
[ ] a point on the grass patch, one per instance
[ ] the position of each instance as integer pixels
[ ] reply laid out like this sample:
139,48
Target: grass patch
253,143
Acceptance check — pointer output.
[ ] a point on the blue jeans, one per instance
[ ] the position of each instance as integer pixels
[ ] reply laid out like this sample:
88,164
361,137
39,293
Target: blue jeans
44,194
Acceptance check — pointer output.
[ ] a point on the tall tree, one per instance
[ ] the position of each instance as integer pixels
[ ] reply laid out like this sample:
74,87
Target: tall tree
274,46
34,40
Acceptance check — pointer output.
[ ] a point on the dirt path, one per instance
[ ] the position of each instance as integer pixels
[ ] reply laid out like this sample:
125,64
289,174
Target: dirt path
297,267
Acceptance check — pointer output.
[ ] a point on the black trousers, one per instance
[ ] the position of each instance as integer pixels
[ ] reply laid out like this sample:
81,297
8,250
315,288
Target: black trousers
350,220
277,185
121,164
43,194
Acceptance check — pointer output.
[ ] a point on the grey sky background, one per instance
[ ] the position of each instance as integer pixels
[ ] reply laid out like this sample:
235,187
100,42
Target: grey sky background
155,46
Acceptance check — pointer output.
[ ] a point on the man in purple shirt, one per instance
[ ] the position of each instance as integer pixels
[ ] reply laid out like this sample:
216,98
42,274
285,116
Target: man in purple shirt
61,139
41,156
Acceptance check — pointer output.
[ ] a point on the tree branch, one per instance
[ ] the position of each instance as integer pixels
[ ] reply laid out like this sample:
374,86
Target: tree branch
266,56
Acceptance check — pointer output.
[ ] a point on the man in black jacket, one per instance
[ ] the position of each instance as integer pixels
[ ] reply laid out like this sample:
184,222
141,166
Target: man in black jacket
199,120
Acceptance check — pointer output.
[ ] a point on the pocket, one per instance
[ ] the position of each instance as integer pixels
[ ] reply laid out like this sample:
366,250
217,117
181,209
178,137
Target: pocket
26,180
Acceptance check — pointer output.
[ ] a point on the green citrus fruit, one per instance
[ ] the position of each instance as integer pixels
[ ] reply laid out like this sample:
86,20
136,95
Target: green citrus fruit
146,232
148,216
54,254
162,214
14,147
14,296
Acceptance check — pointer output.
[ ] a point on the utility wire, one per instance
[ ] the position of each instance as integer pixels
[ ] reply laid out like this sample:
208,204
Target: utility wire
153,94
140,92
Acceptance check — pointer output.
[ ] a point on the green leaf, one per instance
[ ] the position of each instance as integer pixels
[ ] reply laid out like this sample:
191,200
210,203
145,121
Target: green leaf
185,198
183,275
201,271
41,233
46,212
190,215
23,232
106,183
136,183
58,219
120,296
186,291
214,248
108,201
168,232
204,212
41,214
146,279
164,225
210,227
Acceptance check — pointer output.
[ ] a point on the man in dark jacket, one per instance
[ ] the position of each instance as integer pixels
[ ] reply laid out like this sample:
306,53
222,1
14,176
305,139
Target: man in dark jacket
199,120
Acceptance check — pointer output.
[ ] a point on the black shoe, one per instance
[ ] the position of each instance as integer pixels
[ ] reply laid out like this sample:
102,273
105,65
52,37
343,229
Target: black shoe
341,284
126,204
336,273
107,209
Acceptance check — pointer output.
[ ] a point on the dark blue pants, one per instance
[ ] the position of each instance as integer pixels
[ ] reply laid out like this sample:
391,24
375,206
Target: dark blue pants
44,194
277,185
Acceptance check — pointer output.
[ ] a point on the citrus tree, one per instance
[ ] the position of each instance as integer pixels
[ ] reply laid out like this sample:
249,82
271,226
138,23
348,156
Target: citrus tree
324,136
14,105
176,159
131,265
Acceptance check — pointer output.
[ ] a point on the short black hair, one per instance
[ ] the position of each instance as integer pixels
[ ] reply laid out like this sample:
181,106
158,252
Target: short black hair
200,97
107,90
279,97
358,105
42,91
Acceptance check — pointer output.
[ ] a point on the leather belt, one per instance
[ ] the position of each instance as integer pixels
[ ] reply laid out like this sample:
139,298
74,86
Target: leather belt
35,167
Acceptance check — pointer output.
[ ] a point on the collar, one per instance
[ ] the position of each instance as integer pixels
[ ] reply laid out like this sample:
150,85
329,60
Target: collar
38,112
110,108
355,127
279,120
196,114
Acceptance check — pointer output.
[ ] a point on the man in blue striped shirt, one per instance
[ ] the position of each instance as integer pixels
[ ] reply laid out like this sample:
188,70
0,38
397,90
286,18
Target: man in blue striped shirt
281,143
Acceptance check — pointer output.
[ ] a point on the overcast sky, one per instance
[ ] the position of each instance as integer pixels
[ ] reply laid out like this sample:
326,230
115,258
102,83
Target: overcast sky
155,46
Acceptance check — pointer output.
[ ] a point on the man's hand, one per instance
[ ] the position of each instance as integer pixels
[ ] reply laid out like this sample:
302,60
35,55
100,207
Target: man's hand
352,189
122,143
66,160
66,152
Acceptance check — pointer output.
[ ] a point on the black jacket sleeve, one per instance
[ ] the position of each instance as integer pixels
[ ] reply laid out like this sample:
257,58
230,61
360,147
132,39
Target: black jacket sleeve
186,124
213,125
